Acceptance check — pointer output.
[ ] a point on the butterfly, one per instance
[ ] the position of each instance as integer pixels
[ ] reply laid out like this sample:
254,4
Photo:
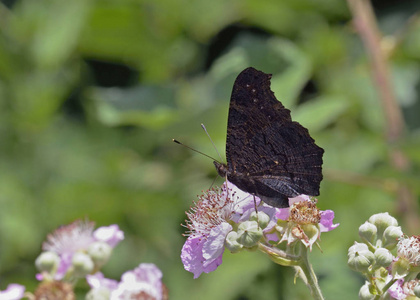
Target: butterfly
268,155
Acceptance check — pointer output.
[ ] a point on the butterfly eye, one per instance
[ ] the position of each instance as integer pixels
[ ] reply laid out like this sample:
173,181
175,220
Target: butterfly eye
253,91
255,100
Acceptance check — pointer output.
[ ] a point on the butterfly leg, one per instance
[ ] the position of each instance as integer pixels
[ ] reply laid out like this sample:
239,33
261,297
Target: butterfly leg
256,210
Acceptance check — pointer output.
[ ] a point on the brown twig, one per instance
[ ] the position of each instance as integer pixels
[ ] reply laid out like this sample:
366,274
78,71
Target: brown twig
365,22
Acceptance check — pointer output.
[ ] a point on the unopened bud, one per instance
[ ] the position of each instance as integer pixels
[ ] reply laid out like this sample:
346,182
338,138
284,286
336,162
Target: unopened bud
249,233
47,262
382,221
368,231
82,264
360,258
364,292
391,236
100,253
416,290
262,218
231,242
383,257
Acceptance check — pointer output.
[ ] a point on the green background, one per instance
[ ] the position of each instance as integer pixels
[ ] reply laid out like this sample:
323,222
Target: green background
92,93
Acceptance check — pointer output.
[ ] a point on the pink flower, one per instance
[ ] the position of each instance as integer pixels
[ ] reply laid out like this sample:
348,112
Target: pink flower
144,282
209,224
67,240
77,237
305,221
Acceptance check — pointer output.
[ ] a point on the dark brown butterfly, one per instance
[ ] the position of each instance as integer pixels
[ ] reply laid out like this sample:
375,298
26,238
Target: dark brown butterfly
268,154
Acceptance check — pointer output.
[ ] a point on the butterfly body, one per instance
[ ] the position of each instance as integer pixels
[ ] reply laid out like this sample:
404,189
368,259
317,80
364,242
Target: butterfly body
268,154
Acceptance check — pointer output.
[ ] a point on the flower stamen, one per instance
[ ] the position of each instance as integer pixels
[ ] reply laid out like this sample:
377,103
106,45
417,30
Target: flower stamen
305,212
212,209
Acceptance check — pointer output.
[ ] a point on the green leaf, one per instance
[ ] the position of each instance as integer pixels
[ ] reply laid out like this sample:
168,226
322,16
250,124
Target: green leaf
148,106
320,112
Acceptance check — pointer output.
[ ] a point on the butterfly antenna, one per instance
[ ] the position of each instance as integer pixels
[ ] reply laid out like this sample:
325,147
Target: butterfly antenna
178,142
205,130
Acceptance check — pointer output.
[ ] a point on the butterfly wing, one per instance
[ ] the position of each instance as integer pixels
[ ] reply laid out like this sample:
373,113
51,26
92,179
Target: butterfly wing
266,151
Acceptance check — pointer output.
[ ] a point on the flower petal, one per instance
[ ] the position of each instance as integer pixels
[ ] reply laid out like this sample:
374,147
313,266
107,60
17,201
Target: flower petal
242,201
98,280
149,273
12,292
299,198
396,290
192,257
283,213
145,280
326,222
65,263
214,246
111,235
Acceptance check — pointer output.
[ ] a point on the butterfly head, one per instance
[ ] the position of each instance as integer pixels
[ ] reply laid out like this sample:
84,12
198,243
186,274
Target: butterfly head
221,168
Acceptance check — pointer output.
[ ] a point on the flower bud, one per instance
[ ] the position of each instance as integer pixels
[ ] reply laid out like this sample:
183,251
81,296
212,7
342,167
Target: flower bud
231,242
416,291
391,236
382,221
100,253
249,233
47,262
360,258
82,264
262,218
383,257
368,231
364,292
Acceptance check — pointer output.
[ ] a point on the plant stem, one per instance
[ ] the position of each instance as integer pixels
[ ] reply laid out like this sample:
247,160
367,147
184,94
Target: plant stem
300,262
311,279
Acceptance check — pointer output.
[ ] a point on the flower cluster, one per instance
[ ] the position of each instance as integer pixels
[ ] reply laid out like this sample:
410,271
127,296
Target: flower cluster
79,251
387,275
232,219
76,250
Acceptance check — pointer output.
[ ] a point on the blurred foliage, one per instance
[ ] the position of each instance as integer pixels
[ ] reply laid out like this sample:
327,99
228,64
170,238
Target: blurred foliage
92,92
